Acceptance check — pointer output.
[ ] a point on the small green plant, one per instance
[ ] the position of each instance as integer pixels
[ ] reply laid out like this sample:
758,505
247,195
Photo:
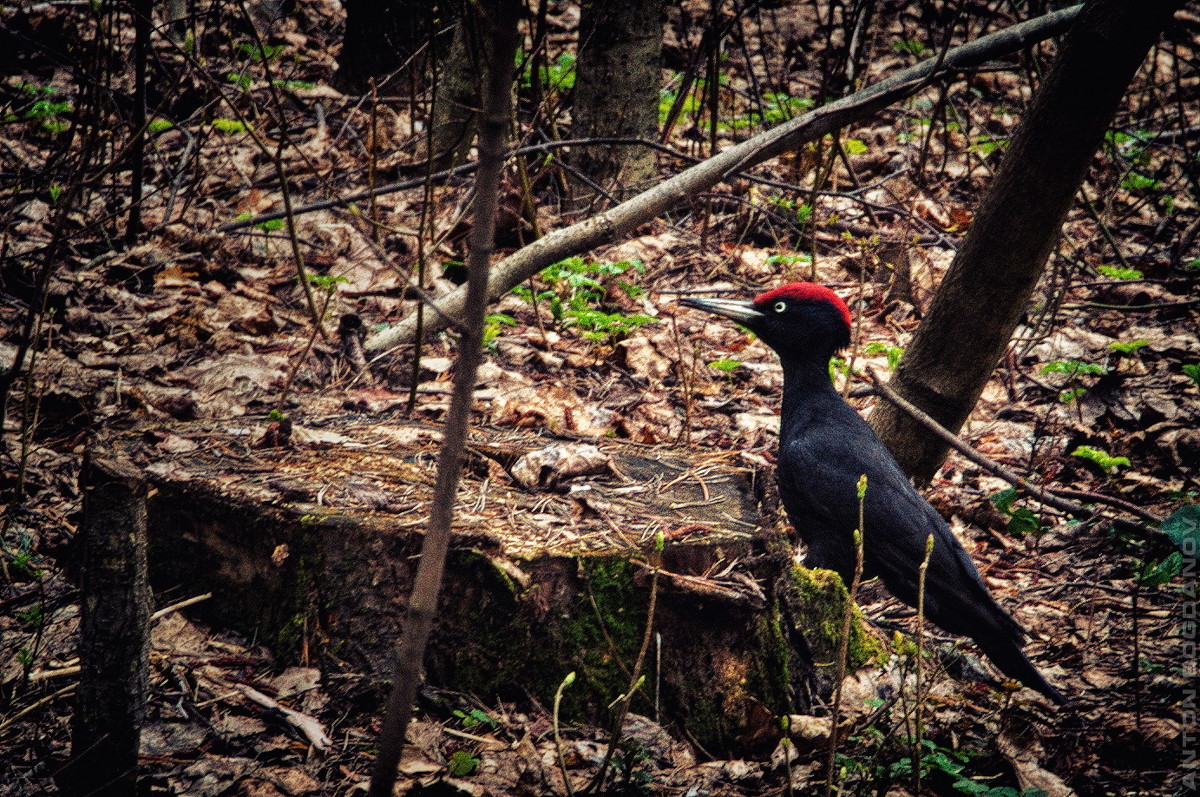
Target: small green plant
556,77
1131,148
474,719
855,146
228,126
294,85
1183,529
21,560
56,192
492,324
160,126
1073,369
1128,347
1021,521
269,226
986,145
632,762
894,353
726,365
801,210
838,367
462,764
1192,371
1135,181
667,96
910,46
1101,459
601,326
326,282
935,759
575,293
1119,272
34,616
775,108
1155,573
240,79
256,53
45,110
787,260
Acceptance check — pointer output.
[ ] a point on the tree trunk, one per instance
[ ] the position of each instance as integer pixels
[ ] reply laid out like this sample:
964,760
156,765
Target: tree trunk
114,634
984,294
618,77
458,97
383,36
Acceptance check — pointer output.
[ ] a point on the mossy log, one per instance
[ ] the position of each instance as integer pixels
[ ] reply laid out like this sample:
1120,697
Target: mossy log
312,548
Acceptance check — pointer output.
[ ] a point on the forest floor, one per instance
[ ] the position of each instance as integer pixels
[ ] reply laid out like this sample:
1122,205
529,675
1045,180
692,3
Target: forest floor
1099,395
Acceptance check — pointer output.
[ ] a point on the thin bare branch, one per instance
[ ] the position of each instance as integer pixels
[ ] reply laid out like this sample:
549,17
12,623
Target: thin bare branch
623,218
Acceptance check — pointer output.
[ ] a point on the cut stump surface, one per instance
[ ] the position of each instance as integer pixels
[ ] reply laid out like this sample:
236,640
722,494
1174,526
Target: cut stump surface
312,548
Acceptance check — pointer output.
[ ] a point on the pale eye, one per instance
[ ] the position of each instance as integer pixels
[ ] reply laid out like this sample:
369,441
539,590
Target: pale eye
780,307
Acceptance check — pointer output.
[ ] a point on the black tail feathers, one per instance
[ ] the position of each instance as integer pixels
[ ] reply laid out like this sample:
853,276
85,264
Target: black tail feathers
1008,657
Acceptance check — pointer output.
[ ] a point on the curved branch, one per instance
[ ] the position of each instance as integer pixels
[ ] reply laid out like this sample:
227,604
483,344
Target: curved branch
623,218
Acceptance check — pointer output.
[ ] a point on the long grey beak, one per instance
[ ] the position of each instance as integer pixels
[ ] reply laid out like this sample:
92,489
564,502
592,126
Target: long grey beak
740,311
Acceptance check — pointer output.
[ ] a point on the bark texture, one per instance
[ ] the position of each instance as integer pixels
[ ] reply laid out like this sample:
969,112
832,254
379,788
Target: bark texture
384,36
113,650
313,549
984,294
618,75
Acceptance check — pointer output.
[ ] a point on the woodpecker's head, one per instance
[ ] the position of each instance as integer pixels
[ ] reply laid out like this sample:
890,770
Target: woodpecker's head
800,320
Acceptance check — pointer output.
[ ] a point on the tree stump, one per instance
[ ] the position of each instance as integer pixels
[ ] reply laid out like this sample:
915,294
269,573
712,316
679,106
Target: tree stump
312,549
114,631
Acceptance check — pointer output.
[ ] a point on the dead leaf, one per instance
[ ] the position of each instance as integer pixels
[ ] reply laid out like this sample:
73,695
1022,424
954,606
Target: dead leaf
554,464
1030,775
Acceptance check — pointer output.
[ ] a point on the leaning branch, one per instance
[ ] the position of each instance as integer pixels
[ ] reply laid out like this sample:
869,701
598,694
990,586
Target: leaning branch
1047,497
623,218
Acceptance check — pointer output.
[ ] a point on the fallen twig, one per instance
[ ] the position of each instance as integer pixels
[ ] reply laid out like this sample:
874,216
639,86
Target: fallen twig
309,726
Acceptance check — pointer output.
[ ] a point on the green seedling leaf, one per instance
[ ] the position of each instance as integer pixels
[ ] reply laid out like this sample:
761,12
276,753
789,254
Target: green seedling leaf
854,146
228,126
912,47
1103,459
326,282
294,85
1128,346
1004,499
1067,396
1183,527
894,353
1139,182
1074,368
268,53
1120,273
239,79
1192,370
787,260
726,365
1155,574
462,764
475,718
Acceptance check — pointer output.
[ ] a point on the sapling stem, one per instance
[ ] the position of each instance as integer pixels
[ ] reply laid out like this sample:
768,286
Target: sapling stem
844,646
